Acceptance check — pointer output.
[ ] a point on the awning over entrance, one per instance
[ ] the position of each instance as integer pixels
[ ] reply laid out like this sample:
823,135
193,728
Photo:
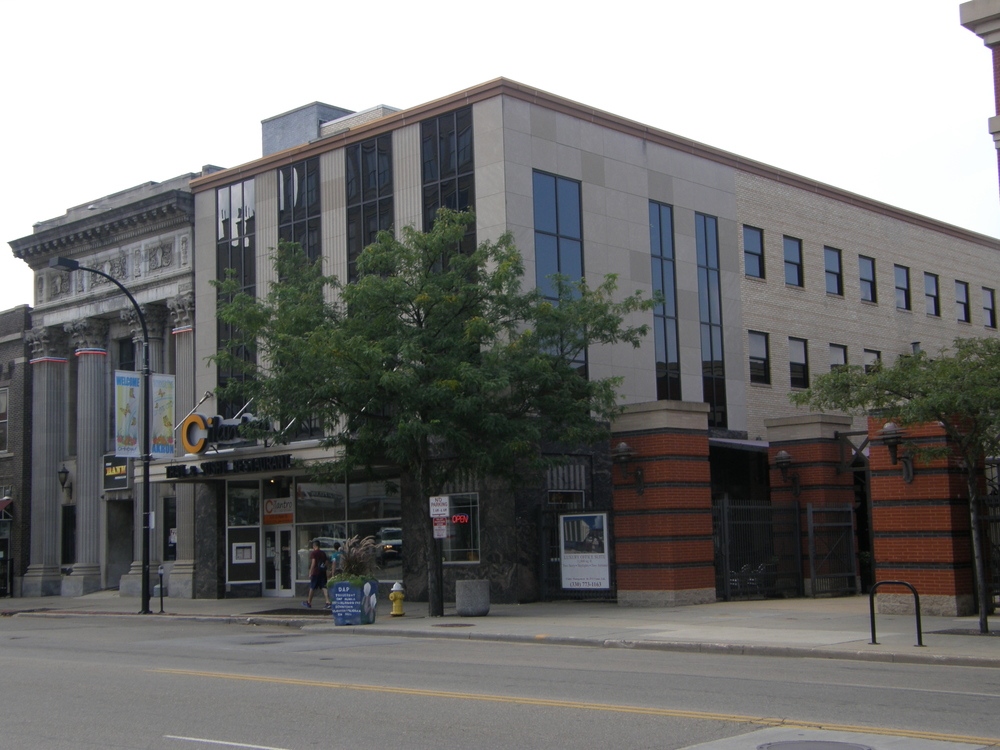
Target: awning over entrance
4,512
741,445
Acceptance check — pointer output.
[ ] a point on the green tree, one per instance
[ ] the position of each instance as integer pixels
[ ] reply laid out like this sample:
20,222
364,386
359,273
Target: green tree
959,389
434,361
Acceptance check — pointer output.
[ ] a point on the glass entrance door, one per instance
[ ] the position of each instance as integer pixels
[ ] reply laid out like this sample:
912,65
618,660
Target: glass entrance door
279,573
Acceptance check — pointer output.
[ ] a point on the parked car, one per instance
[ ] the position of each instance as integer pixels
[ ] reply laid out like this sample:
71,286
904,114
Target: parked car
389,545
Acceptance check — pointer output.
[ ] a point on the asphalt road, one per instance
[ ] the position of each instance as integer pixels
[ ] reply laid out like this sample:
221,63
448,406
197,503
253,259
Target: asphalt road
129,683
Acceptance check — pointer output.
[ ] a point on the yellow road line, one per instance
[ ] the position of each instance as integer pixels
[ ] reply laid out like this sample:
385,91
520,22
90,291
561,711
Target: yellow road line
642,710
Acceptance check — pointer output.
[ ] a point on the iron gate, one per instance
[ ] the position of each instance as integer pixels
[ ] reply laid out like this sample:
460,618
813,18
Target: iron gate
991,526
832,559
757,551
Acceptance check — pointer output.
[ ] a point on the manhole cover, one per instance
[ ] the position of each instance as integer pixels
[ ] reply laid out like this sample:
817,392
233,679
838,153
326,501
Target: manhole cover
811,745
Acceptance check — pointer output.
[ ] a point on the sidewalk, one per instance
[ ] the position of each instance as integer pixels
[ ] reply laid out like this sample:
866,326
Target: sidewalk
835,628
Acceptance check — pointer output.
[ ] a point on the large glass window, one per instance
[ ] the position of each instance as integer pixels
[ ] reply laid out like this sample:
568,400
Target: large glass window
873,358
753,251
793,262
866,275
710,313
369,195
462,542
661,243
299,206
798,363
243,532
833,271
558,236
962,310
4,394
235,249
932,295
446,150
902,277
760,360
989,308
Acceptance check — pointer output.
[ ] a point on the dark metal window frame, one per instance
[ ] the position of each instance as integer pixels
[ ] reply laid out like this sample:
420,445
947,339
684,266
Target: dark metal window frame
368,186
666,334
843,350
760,366
713,359
989,308
962,310
901,277
866,276
794,274
798,369
753,256
300,206
833,270
448,167
932,294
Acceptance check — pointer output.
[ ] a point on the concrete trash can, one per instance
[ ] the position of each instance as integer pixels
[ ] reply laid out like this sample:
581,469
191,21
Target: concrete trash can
472,598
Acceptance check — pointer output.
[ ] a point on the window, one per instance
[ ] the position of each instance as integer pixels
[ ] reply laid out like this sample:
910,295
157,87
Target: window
962,310
834,272
236,249
760,361
989,308
902,287
447,167
753,251
661,244
793,262
462,542
713,367
299,205
798,363
170,528
866,273
126,354
558,237
368,176
838,356
873,358
4,394
931,295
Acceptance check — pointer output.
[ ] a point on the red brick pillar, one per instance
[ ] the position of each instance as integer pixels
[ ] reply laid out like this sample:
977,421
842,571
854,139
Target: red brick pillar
921,527
817,473
664,553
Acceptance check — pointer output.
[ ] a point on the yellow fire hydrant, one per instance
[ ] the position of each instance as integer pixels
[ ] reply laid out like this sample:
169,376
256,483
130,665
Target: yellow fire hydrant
396,596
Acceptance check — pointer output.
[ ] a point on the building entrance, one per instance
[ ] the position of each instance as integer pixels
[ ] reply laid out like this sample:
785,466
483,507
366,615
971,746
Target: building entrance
279,572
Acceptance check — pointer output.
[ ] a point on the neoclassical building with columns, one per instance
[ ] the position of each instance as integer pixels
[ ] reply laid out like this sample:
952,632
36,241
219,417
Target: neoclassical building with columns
85,505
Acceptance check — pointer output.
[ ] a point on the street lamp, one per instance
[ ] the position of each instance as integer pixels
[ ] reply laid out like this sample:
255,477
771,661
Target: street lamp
68,264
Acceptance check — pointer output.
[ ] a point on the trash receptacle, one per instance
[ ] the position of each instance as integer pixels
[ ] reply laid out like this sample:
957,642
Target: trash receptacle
472,598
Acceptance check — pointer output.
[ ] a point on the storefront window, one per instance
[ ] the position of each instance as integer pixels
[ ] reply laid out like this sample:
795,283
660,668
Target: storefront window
462,543
244,504
243,534
170,528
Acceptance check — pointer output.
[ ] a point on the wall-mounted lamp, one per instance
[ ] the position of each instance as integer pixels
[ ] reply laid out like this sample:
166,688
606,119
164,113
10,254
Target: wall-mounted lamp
623,454
892,437
64,482
783,460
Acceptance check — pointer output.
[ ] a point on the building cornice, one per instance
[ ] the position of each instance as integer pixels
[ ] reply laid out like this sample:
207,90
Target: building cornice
159,213
506,87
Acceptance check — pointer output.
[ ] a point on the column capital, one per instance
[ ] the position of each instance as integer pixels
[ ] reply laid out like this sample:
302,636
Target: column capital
46,342
182,309
88,333
156,318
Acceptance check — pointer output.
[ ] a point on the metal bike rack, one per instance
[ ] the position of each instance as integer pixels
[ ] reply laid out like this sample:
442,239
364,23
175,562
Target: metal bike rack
916,607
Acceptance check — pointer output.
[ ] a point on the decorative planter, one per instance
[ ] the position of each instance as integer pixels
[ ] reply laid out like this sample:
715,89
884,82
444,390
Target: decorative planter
354,602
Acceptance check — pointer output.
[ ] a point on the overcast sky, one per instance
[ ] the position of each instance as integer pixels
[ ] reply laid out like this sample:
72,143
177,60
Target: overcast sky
886,98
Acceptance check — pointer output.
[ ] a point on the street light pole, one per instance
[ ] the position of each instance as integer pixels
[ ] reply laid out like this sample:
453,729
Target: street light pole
68,264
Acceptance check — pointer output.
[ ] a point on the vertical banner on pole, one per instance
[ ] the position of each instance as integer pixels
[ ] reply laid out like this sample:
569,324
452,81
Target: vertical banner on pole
128,397
163,416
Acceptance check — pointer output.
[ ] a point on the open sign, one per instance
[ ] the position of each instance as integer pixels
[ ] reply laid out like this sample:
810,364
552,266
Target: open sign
460,518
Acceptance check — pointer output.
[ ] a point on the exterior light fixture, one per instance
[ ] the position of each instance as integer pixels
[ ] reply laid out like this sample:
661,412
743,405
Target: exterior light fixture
783,461
623,454
892,437
64,482
68,264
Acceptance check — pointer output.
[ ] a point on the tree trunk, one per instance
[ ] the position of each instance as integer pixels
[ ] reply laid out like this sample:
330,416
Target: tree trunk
977,550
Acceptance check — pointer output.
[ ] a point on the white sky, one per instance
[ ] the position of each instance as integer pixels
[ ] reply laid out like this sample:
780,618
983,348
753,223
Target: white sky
886,98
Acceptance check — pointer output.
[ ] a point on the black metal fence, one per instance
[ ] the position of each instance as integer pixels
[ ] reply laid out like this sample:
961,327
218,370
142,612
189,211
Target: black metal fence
757,550
832,558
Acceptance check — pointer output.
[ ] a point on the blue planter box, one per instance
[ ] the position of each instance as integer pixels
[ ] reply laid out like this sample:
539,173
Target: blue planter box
354,604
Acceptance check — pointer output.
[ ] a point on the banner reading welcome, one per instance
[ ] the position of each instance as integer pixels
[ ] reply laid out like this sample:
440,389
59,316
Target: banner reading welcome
128,397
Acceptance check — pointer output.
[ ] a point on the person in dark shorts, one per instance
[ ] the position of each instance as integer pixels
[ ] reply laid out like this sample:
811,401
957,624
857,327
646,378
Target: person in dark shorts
317,574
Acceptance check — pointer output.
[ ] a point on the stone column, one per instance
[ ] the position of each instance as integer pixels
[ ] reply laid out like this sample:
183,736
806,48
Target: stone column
663,533
181,577
48,448
156,316
89,338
